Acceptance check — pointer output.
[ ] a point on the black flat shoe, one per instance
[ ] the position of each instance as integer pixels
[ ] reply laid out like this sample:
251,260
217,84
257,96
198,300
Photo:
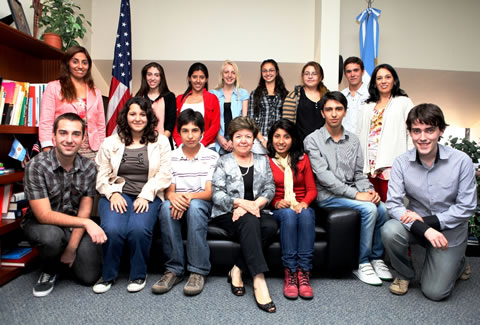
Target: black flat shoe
268,307
237,291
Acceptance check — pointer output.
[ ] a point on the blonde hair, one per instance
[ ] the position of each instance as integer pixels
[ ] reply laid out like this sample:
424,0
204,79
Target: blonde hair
237,74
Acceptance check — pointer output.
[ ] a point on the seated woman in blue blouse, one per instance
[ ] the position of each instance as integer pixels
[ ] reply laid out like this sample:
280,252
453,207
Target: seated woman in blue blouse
233,102
242,186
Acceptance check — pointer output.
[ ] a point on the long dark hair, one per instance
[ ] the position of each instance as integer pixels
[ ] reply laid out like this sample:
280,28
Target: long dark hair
296,150
279,86
197,66
145,88
124,131
372,87
68,91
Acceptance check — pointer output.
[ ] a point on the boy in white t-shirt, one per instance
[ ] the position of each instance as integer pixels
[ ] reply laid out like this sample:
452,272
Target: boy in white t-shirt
189,199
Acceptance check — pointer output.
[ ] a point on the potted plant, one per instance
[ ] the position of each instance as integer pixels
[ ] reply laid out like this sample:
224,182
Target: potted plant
472,149
60,17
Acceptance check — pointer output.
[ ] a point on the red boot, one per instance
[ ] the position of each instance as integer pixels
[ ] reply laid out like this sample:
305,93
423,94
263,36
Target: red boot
290,287
304,287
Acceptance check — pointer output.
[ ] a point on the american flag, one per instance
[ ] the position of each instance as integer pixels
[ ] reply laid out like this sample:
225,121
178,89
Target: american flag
121,85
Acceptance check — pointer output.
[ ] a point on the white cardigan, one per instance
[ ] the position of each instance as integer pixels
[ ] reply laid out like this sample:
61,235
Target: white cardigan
394,138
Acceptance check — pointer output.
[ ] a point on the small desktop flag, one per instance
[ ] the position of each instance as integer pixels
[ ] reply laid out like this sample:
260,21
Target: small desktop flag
17,151
121,84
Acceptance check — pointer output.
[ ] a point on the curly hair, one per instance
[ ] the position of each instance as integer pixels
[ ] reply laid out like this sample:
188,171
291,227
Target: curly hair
145,88
279,86
124,131
372,87
68,91
296,150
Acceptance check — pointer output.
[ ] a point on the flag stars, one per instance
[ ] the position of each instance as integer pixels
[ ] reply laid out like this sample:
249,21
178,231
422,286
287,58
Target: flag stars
121,65
120,55
124,24
125,34
118,45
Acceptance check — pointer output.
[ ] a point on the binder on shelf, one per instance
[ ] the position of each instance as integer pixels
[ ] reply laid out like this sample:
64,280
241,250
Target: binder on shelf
23,261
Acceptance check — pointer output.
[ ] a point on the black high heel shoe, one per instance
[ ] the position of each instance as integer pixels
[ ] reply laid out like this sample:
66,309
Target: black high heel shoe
268,307
237,291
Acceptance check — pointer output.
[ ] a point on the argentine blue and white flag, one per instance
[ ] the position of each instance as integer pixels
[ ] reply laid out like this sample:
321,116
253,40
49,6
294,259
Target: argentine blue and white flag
17,151
368,20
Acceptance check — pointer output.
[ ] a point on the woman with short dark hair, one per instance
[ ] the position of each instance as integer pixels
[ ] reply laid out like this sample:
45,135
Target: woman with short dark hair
242,187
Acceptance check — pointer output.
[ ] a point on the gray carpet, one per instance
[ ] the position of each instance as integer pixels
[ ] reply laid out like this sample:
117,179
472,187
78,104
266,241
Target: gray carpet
337,301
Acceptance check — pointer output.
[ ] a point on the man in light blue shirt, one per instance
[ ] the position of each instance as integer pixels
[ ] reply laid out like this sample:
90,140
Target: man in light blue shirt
439,183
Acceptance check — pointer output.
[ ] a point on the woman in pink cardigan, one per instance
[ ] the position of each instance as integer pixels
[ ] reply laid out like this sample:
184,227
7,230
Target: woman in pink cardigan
74,92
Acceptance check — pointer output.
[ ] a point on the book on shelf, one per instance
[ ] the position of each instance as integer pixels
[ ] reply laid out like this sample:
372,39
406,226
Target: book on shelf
18,205
19,196
5,196
22,261
16,253
14,214
21,102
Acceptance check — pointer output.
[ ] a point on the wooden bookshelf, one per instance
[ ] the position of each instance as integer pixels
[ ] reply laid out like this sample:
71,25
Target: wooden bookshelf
10,178
9,225
18,129
27,59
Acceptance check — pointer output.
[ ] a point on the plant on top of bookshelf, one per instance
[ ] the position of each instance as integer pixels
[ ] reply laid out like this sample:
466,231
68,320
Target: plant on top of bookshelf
60,17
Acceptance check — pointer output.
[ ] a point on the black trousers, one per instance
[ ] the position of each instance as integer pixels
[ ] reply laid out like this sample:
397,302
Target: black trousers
51,242
254,235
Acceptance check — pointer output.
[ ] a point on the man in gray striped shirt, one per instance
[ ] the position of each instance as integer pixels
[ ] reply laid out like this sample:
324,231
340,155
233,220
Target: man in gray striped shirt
440,185
337,162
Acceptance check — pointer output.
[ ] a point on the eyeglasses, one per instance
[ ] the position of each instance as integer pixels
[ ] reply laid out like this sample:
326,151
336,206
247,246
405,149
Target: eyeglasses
308,74
269,71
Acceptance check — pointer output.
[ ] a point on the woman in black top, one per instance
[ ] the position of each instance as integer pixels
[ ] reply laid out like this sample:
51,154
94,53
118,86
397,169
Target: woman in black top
154,87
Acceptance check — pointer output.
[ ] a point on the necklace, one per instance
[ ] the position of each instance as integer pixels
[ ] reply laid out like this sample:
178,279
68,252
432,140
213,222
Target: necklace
243,174
248,168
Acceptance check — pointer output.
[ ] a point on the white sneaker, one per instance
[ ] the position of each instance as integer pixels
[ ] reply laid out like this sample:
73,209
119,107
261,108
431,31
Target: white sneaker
382,270
136,285
366,274
102,286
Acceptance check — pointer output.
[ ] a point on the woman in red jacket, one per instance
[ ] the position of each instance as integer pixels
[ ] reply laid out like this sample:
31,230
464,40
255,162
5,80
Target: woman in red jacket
294,191
199,99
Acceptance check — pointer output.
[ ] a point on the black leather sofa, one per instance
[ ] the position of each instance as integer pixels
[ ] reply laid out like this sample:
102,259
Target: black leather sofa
335,251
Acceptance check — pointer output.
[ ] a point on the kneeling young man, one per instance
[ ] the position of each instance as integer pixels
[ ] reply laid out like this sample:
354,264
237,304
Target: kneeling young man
439,183
59,185
337,162
188,199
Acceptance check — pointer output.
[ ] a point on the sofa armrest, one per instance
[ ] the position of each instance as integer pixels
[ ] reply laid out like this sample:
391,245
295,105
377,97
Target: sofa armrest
343,238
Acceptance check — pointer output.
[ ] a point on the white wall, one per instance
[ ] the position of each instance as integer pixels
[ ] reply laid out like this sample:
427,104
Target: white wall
426,34
247,30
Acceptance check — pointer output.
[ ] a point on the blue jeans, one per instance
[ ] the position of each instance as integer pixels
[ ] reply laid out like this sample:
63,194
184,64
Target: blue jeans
136,228
372,218
198,252
297,236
